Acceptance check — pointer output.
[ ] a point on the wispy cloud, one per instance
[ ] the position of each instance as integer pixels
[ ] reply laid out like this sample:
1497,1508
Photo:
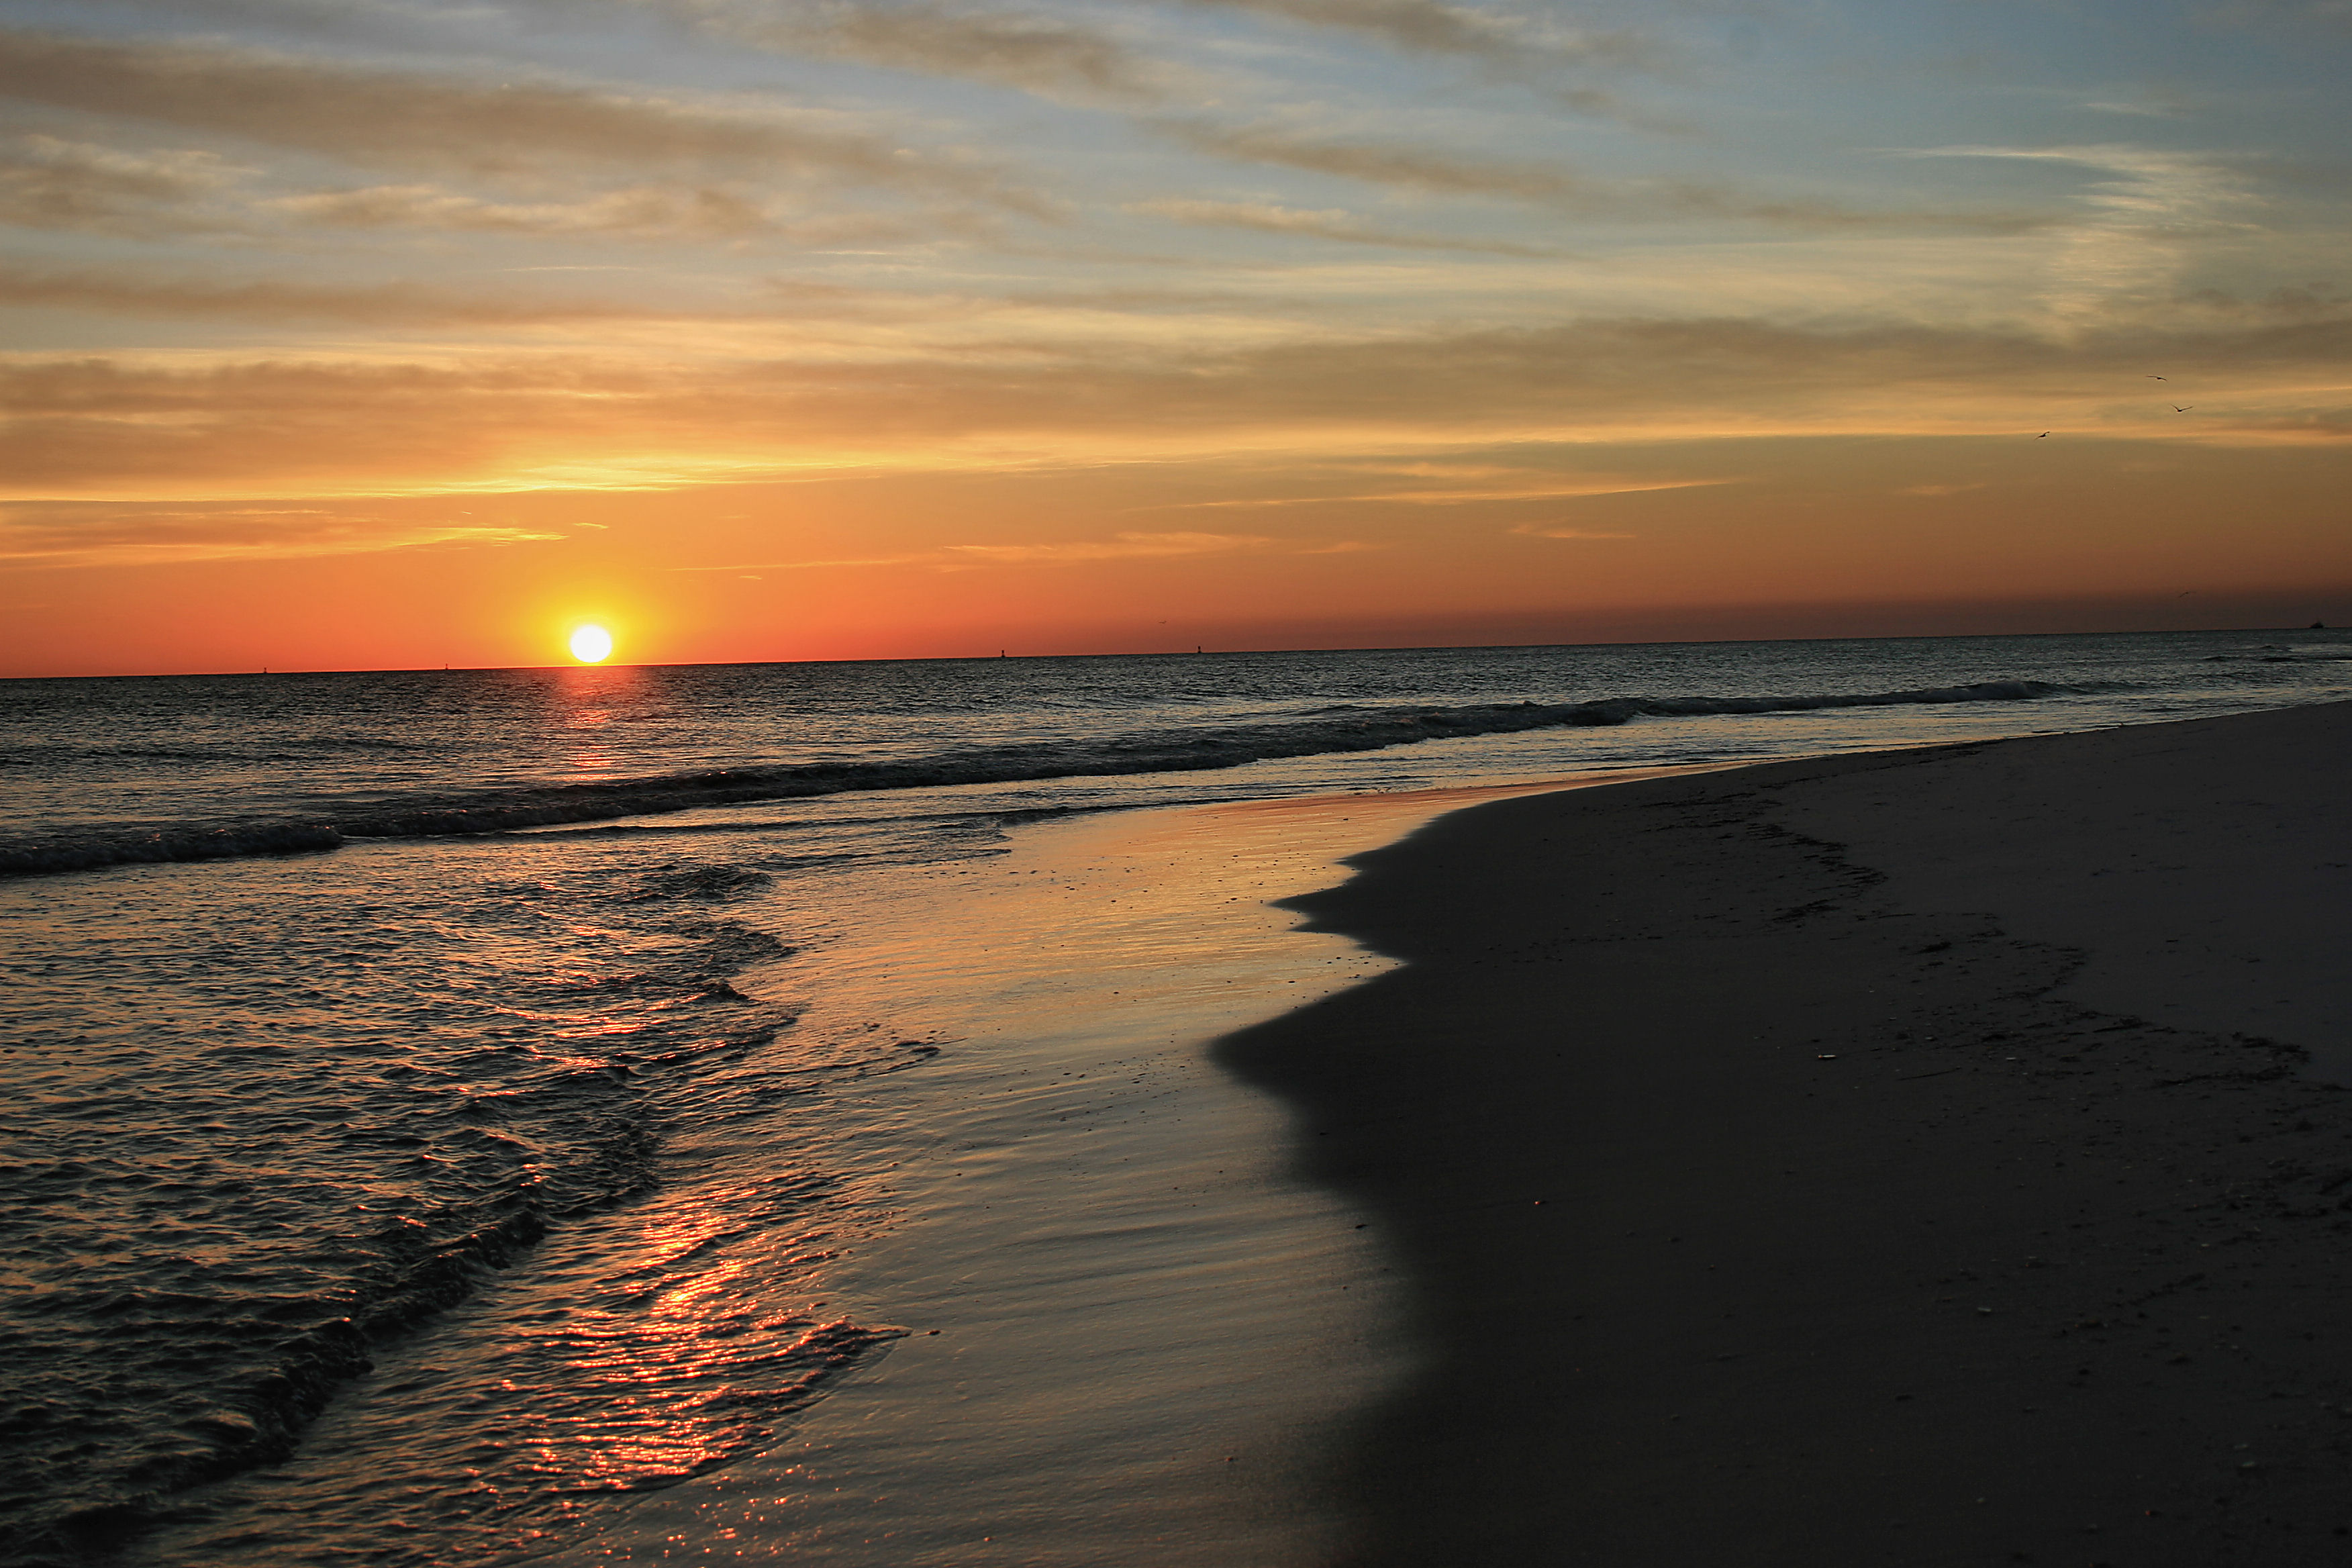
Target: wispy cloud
2125,246
669,212
1329,223
1557,186
83,426
67,535
1118,547
381,118
1426,26
1531,49
1050,56
49,182
1562,489
1543,531
749,566
1121,547
2146,111
392,304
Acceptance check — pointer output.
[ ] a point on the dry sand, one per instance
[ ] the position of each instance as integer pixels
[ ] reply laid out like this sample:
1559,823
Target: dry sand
1906,1158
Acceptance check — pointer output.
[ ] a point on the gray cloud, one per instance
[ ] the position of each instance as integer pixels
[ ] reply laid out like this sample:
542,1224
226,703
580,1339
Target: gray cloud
1424,27
1503,47
700,212
47,182
1538,183
1330,224
1045,55
390,304
389,119
1559,187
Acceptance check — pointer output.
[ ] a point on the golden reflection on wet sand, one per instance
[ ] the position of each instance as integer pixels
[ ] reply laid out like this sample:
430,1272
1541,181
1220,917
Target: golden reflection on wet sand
1132,1333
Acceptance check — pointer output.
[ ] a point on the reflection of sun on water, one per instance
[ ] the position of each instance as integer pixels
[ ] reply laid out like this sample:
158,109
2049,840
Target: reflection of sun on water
592,644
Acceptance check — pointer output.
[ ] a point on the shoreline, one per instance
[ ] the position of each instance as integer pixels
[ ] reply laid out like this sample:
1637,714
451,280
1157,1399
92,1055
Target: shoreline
1838,1160
1131,1334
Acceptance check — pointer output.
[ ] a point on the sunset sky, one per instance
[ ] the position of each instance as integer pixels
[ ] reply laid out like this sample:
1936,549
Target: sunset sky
380,333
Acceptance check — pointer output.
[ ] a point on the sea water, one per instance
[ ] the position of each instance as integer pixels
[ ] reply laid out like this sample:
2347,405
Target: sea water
344,1011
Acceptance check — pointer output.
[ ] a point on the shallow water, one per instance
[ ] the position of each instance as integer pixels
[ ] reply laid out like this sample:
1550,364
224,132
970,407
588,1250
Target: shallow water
593,1140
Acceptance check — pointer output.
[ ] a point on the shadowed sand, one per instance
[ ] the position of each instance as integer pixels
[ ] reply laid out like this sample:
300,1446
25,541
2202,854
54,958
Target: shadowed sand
1909,1158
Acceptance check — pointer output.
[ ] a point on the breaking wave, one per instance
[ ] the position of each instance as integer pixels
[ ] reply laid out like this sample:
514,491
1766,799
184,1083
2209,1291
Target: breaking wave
1323,731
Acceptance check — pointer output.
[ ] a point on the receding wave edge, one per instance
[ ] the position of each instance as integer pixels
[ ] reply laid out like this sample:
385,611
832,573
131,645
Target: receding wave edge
1185,750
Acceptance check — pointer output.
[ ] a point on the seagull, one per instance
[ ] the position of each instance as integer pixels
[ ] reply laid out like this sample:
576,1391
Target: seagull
2156,378
2177,409
2044,433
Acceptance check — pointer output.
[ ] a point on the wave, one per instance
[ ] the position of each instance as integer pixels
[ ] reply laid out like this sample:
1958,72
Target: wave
294,749
2283,656
1323,731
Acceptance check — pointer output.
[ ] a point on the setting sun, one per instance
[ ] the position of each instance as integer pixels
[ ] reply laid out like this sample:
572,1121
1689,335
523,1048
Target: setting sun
592,644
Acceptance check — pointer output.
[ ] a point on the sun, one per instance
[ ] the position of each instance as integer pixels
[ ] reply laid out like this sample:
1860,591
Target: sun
592,644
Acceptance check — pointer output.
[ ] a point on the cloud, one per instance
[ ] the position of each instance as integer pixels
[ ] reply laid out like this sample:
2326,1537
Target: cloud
390,304
1558,489
391,119
1330,223
1522,50
1424,27
699,212
1537,530
67,535
2125,246
1123,547
751,566
1556,185
46,181
128,428
1540,183
1120,547
1049,56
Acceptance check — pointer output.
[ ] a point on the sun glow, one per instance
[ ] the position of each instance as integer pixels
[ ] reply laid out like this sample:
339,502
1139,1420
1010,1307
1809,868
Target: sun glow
592,644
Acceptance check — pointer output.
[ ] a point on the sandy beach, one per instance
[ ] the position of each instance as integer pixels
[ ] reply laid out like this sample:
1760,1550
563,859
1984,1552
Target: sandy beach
1928,1156
1916,1157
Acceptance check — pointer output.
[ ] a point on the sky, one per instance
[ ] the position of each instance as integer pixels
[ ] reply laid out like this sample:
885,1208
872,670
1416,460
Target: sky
397,334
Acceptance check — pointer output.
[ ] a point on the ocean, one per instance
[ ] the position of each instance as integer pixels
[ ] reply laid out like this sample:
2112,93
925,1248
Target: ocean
434,1098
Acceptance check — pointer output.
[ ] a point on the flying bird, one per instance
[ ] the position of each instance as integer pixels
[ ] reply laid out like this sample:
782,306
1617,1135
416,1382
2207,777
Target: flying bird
2156,378
2044,433
2177,409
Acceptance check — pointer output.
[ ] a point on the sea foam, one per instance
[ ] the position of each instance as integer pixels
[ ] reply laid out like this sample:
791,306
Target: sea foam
1324,732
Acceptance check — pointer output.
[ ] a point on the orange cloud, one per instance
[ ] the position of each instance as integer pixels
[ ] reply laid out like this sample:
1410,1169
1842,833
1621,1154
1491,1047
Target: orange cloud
1539,532
129,429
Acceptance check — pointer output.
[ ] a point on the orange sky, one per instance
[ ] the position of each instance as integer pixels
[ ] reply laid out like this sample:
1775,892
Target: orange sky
378,336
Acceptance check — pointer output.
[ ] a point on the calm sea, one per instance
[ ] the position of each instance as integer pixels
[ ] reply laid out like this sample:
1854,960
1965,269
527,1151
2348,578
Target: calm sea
332,1000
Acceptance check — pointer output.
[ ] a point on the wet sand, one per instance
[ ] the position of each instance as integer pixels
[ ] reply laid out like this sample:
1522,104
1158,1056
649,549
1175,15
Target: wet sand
1132,1334
1916,1157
